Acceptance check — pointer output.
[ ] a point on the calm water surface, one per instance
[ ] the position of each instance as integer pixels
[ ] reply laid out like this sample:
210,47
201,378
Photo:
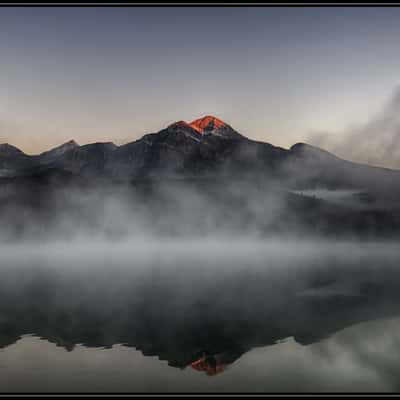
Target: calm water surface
200,316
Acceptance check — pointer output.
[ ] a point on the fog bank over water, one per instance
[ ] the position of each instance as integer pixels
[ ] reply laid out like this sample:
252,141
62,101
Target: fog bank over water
298,316
212,250
150,279
134,314
201,210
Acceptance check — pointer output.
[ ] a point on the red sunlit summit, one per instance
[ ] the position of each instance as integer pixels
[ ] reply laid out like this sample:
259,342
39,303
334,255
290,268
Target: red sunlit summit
208,123
205,127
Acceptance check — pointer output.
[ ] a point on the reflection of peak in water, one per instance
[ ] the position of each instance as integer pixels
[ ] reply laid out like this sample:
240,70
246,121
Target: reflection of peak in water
202,320
210,365
214,364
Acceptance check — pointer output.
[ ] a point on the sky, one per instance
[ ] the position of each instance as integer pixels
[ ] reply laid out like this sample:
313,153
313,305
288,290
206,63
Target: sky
117,73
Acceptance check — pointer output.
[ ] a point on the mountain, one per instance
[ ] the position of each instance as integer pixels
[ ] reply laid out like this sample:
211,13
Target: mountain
13,161
311,166
7,150
190,150
210,125
206,147
195,178
53,154
87,160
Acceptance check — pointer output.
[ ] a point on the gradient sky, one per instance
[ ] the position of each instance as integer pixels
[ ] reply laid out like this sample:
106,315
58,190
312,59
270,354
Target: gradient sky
274,74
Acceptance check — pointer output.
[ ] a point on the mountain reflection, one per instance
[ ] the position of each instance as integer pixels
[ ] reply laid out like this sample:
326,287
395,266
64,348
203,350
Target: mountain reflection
211,365
201,318
205,319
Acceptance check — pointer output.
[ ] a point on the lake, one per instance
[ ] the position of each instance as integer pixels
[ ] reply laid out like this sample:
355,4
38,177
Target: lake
221,315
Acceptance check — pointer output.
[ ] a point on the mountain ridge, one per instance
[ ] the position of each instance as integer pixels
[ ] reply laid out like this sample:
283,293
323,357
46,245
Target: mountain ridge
206,146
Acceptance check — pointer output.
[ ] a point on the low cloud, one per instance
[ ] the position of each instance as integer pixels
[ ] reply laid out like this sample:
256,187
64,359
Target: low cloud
375,142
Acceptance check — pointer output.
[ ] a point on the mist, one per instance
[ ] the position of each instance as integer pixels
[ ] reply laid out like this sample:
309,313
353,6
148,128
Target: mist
163,273
149,308
375,141
180,269
119,212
